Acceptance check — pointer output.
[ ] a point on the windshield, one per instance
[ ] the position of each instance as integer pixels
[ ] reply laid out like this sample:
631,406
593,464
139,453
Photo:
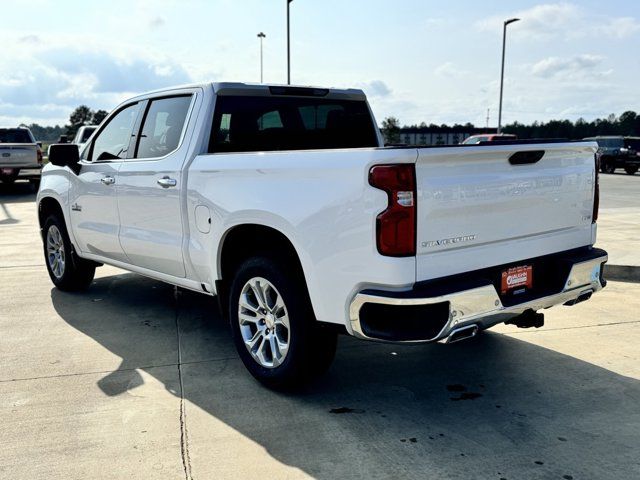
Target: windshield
610,142
15,135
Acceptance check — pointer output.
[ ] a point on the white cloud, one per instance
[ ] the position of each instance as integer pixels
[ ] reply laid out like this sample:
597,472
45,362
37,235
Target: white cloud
376,88
545,20
62,75
561,20
448,69
620,27
572,66
157,22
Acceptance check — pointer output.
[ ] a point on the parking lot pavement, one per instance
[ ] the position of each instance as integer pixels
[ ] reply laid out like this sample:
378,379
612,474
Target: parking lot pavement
134,379
618,224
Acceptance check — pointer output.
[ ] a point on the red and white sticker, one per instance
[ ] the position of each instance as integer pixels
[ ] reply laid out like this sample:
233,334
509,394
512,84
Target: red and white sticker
517,277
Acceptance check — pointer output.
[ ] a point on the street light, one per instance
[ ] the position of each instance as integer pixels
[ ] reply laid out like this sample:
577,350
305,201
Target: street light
261,36
504,38
288,46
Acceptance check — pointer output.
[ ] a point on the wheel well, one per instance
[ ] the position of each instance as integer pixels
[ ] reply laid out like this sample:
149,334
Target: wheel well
48,206
250,240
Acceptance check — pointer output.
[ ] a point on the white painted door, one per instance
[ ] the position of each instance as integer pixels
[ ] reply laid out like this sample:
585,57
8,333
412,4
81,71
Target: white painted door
93,196
150,185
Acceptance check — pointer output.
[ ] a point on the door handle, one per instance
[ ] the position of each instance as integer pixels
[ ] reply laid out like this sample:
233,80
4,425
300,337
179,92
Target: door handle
166,182
108,180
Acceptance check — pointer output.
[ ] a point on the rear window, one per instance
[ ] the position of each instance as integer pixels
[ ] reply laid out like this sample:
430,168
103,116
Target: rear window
250,124
87,133
15,135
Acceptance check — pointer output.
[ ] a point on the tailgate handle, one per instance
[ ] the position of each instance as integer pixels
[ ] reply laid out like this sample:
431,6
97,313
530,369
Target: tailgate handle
524,158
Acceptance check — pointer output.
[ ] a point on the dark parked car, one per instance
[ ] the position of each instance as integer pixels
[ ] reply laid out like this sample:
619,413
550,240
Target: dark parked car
618,152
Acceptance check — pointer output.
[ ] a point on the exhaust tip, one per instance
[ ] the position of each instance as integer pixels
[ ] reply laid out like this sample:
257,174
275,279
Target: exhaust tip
462,333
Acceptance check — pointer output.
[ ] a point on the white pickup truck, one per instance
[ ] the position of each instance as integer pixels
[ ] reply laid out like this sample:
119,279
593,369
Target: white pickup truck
284,203
20,156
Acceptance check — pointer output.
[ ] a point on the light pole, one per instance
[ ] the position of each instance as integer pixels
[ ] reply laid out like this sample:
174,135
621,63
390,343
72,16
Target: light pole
504,39
261,36
288,46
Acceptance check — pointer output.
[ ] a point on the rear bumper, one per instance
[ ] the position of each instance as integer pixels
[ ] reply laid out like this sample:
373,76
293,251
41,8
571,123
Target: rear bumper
30,172
430,313
26,171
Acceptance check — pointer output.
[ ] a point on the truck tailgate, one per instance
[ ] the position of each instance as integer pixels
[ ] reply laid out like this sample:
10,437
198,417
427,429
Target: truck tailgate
18,155
476,209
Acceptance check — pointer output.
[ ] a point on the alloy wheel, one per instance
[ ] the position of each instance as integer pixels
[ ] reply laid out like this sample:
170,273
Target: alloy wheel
55,251
264,322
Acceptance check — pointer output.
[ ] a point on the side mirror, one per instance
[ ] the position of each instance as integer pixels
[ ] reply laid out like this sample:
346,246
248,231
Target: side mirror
65,155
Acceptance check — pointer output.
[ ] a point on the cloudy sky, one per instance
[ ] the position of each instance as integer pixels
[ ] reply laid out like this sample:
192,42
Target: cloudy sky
431,61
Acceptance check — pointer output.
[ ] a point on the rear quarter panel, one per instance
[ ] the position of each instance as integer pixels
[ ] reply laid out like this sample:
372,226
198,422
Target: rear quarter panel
320,200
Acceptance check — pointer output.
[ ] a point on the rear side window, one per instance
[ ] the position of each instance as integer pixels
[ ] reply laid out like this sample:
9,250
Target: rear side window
249,124
15,135
162,126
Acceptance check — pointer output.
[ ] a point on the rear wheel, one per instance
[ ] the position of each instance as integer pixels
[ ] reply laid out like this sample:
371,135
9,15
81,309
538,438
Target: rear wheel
67,271
274,329
631,170
607,166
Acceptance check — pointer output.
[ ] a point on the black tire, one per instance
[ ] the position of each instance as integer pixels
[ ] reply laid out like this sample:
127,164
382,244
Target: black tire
35,183
76,274
8,179
607,166
631,170
311,346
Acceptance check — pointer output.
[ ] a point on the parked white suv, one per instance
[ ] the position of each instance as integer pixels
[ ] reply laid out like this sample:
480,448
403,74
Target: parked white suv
283,202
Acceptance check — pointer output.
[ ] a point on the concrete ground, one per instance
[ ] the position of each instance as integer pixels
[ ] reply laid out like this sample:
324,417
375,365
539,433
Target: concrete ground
133,379
619,224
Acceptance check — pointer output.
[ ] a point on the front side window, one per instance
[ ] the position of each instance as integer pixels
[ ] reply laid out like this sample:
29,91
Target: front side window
264,123
112,143
162,126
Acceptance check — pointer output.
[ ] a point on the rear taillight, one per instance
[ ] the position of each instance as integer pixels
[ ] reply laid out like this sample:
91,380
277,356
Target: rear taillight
396,226
39,153
596,190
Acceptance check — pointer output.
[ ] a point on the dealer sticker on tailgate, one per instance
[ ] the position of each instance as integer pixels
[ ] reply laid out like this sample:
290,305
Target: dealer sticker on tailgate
517,278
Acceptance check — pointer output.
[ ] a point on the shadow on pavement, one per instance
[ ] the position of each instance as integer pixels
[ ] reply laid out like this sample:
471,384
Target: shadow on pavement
19,192
494,407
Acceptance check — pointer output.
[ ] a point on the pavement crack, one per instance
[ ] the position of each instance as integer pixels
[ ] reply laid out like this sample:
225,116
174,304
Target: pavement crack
184,432
578,327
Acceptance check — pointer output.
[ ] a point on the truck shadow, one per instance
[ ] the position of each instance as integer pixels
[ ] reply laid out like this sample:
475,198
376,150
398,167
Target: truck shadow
19,192
495,407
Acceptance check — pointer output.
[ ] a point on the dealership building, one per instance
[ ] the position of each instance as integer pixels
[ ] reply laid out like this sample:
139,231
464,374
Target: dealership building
439,135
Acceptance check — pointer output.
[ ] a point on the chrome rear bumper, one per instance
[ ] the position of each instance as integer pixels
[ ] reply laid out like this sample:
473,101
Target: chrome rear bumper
482,306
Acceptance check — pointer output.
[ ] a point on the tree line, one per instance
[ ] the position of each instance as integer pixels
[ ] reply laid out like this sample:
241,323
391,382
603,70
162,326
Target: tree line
82,115
627,124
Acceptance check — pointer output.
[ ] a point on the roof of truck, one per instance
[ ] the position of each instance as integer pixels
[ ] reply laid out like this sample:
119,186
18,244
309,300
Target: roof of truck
266,89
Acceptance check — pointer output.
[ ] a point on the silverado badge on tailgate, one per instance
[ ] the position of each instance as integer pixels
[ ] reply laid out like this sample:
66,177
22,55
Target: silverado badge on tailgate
517,278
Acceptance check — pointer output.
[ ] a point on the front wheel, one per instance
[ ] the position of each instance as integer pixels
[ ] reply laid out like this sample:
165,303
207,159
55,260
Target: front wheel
631,170
67,271
274,329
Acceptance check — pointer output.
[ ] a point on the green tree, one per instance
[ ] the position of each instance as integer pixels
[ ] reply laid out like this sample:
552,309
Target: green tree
79,117
99,116
391,130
